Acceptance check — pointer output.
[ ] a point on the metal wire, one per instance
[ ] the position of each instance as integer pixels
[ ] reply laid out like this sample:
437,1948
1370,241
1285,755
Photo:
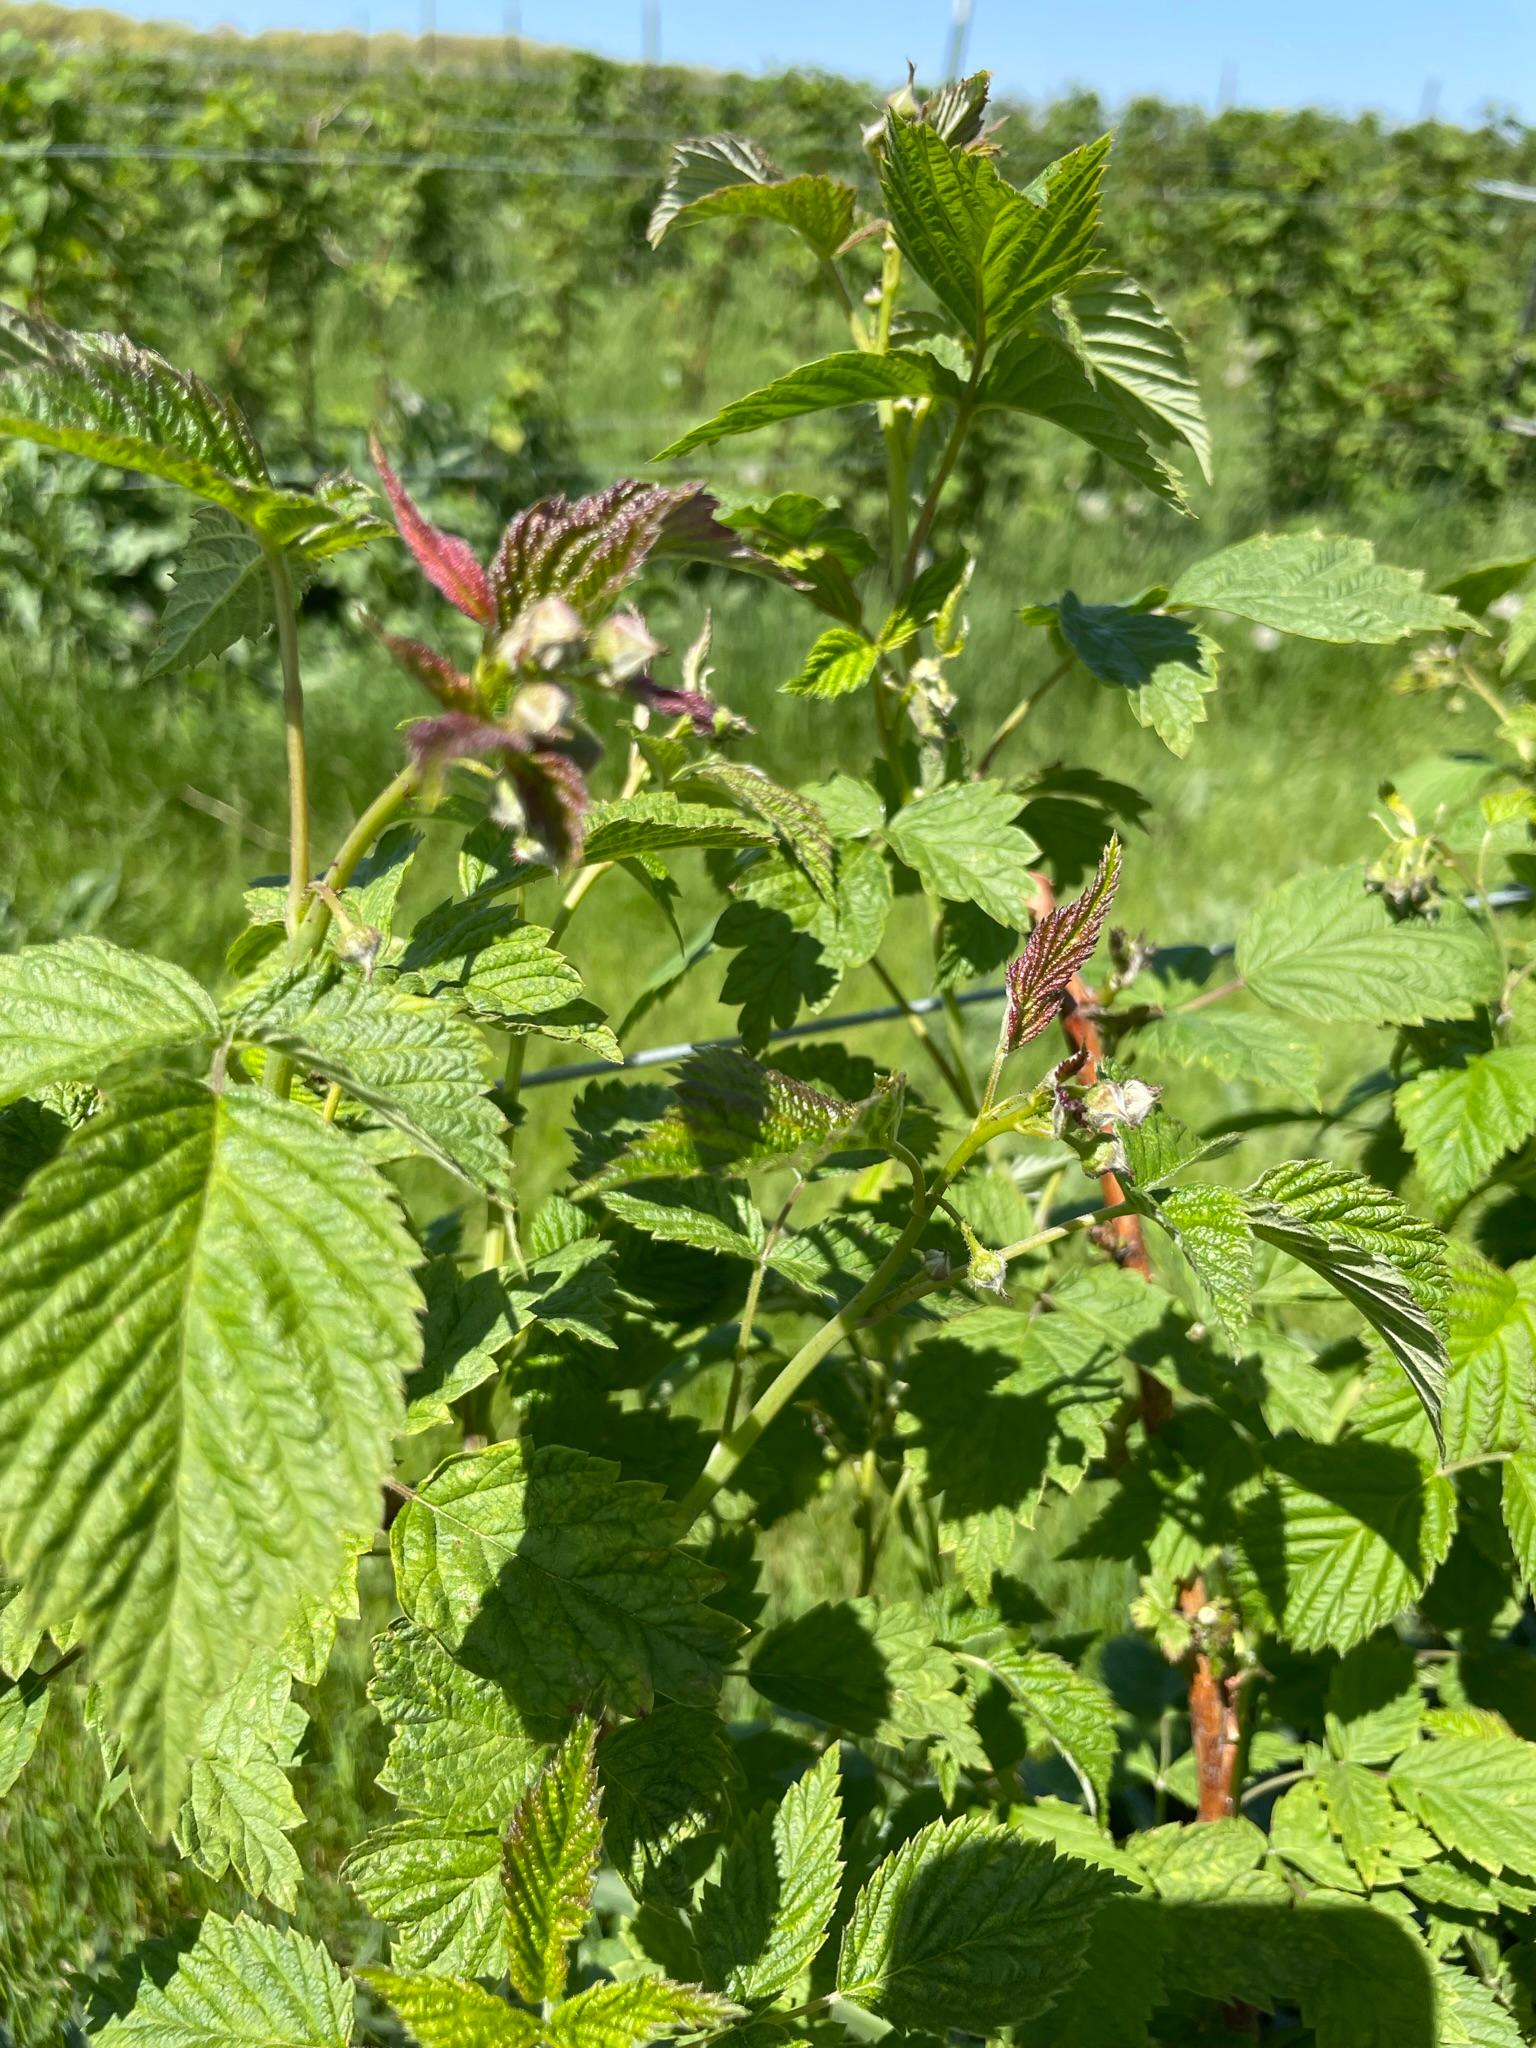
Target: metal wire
889,1013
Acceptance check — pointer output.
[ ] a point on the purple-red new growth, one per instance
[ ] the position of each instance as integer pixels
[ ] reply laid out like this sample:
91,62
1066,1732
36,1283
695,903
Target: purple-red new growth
1061,944
447,562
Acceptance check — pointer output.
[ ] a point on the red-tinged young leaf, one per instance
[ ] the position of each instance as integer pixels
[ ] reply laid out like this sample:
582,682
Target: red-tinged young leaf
553,799
459,736
1061,944
586,550
424,665
447,562
708,719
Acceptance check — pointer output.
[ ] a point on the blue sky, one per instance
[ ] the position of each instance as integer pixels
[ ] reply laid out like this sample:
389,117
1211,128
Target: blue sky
1397,56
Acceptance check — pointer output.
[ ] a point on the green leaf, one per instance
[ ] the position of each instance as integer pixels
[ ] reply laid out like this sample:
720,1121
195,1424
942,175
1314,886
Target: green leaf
421,1068
458,1749
763,1923
1130,344
1320,586
445,2012
852,378
969,1925
941,585
241,1985
543,1570
626,2015
962,842
869,1667
222,593
990,253
1360,1808
1519,1503
480,959
100,396
655,821
775,973
1038,375
1459,1122
1209,1861
670,1783
205,1310
1322,946
711,1215
1385,1261
1165,667
70,1011
1210,1227
23,1709
840,661
727,178
1078,1716
240,1808
1477,1795
732,1114
1337,1539
800,828
553,1847
439,1887
1236,1046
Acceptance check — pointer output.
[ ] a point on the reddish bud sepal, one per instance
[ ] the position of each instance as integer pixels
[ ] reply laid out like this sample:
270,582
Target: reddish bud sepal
435,672
1060,945
447,562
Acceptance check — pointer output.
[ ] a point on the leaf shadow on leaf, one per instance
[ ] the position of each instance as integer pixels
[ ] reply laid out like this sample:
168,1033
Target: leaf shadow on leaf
1358,1978
986,1446
826,1662
1379,1485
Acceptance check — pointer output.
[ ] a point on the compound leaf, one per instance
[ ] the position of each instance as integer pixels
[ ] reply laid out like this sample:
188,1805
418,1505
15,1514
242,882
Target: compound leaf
439,1887
1129,343
1359,1807
70,1011
851,378
1319,586
205,1310
670,1783
1476,1794
222,593
458,1749
448,2012
1236,1046
840,661
240,1808
969,1925
625,2015
553,1846
1077,1715
1458,1122
241,1985
1041,376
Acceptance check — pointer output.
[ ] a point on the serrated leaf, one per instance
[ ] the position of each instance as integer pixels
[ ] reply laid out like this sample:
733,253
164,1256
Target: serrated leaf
205,1311
1477,1795
1078,1716
840,661
655,821
1321,946
438,1885
221,594
483,960
1059,946
732,1114
963,843
70,1011
101,396
989,252
1236,1046
240,1808
23,1709
774,973
1458,1122
763,1922
702,165
1130,344
458,1749
1375,1707
585,550
1360,1809
670,1783
543,1570
1210,1227
725,177
550,1857
241,1985
711,1215
1165,667
446,2012
1387,1262
1205,1861
1319,586
969,1925
851,378
1519,1505
1337,1539
1041,376
625,2015
422,1069
800,828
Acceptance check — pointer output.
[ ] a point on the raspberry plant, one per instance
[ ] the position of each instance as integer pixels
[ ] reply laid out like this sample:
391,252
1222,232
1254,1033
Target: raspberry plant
1180,1516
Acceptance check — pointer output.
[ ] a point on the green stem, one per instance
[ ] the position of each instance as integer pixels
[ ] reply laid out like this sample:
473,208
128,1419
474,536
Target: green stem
919,1027
1020,712
735,1444
285,611
1211,995
386,806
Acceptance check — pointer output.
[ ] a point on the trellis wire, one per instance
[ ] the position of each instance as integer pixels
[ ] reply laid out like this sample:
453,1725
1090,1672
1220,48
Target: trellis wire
889,1013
